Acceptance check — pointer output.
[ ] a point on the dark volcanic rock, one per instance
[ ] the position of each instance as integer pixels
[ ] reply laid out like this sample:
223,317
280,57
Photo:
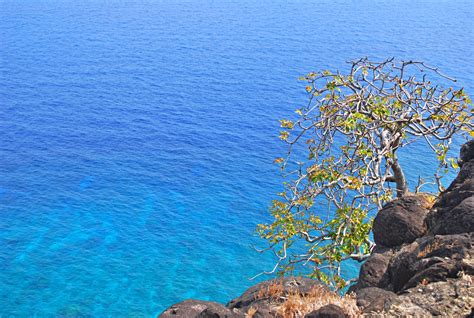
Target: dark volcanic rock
467,151
460,219
254,297
401,221
431,259
431,267
373,299
199,309
328,311
461,188
373,273
454,211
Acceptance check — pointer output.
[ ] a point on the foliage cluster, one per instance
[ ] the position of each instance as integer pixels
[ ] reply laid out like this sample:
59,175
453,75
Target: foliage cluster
353,129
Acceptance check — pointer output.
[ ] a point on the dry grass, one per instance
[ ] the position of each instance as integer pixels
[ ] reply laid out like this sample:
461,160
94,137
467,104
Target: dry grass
273,291
250,312
294,304
297,305
428,200
429,248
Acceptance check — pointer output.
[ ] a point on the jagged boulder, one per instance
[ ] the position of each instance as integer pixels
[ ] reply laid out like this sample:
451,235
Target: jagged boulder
401,221
432,259
454,211
459,219
200,309
467,152
460,189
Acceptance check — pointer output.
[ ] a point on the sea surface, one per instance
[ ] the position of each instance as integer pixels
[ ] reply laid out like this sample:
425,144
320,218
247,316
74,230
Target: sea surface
137,137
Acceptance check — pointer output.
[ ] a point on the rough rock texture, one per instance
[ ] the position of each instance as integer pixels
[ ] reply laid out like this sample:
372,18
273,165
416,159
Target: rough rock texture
373,272
431,259
428,267
264,313
198,308
454,211
374,299
450,298
401,221
328,311
467,151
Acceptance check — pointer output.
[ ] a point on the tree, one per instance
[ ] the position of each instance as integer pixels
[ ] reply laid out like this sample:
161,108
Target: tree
351,134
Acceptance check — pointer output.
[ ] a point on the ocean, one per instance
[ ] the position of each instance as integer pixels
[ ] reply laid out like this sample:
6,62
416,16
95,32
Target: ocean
137,137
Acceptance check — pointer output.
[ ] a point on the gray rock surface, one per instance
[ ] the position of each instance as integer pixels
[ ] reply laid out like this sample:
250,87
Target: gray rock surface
450,298
374,299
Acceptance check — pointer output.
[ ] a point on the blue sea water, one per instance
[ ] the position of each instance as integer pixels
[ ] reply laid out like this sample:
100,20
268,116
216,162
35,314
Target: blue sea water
137,137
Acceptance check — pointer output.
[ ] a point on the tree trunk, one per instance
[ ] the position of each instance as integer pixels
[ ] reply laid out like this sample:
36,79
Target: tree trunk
402,188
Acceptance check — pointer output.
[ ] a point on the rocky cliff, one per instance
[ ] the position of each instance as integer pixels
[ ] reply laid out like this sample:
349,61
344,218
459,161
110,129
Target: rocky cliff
422,266
423,263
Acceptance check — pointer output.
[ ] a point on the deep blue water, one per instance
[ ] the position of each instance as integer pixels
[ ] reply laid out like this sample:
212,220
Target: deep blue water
137,137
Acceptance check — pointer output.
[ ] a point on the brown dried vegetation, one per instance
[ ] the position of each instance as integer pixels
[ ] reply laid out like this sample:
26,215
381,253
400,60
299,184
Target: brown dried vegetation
273,291
429,248
250,312
295,304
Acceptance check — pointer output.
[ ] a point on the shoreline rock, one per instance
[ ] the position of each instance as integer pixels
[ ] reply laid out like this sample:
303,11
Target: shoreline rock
422,266
429,271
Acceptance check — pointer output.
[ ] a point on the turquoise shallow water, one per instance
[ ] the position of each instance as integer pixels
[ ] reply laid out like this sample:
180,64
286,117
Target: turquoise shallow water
137,137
